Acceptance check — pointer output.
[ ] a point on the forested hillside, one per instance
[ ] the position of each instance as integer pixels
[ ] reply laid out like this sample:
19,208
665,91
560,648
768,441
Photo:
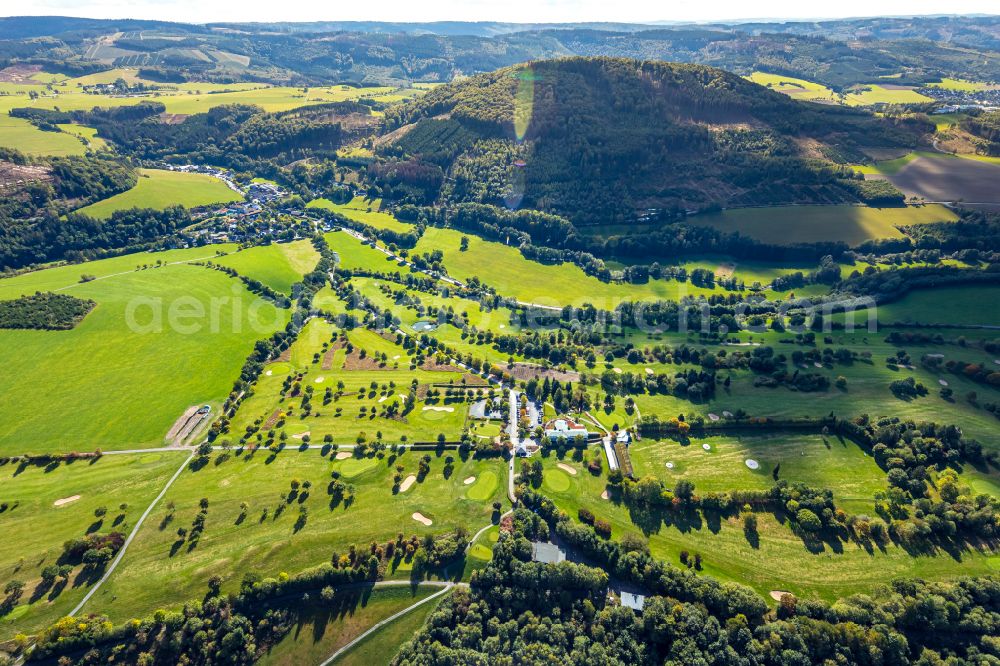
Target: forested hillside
581,135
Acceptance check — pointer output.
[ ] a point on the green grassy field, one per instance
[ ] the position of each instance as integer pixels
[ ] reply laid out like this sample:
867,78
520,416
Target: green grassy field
107,384
786,225
107,482
780,561
355,255
505,269
22,135
322,629
961,305
382,646
794,88
159,189
960,84
366,212
278,265
871,93
87,134
159,572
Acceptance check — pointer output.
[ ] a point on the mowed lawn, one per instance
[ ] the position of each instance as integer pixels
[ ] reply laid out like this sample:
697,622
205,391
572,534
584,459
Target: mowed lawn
41,526
364,211
159,571
780,561
511,274
160,189
787,225
110,383
278,265
355,255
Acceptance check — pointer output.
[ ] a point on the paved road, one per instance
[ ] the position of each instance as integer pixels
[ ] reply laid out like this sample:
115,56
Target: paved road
130,537
512,433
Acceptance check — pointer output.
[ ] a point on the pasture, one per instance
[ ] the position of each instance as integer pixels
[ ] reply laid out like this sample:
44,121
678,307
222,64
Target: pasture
729,556
365,212
278,265
161,570
159,341
355,255
160,189
872,93
36,488
20,134
787,225
957,305
795,88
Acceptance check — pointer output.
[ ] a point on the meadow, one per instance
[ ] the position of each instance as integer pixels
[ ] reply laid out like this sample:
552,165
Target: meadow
958,305
111,384
364,211
777,561
160,189
160,570
787,225
794,88
278,265
355,255
872,93
22,135
321,630
36,488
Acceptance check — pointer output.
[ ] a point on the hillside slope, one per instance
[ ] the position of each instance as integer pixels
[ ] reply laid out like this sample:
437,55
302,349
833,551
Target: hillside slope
595,139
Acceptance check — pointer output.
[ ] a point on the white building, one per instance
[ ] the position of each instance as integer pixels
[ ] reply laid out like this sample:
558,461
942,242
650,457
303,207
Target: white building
564,429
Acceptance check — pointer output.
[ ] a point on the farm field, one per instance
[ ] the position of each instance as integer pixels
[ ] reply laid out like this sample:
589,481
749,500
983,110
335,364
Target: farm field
278,265
959,305
505,269
795,88
82,389
366,212
63,498
854,225
159,570
22,135
939,177
871,93
728,555
159,189
321,630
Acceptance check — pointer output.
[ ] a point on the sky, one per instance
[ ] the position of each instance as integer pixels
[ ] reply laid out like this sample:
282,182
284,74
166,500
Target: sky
514,11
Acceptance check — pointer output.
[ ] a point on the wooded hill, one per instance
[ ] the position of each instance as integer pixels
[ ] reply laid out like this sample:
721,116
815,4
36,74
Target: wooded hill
580,135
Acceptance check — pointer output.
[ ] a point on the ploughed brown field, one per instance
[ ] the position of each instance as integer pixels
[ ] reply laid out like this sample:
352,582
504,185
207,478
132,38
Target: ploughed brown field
947,178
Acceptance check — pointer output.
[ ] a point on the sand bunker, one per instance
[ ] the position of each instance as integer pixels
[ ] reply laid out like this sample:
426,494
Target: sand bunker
752,464
383,398
300,435
319,380
434,408
421,518
618,371
706,447
728,415
344,455
66,500
713,417
470,480
395,357
818,365
407,482
566,468
670,465
605,495
942,382
503,325
649,371
269,373
777,594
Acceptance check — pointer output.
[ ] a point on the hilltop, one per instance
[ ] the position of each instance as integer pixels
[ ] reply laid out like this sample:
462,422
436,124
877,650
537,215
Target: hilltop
578,135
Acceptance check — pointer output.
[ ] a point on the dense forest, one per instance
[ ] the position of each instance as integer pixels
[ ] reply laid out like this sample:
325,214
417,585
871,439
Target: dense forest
582,135
44,311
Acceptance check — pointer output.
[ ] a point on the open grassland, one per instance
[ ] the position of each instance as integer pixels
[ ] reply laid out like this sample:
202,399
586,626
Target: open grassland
278,265
794,88
87,134
20,134
159,570
778,561
366,394
159,189
323,628
787,225
871,93
381,646
41,526
366,212
958,305
159,341
355,255
960,84
505,269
